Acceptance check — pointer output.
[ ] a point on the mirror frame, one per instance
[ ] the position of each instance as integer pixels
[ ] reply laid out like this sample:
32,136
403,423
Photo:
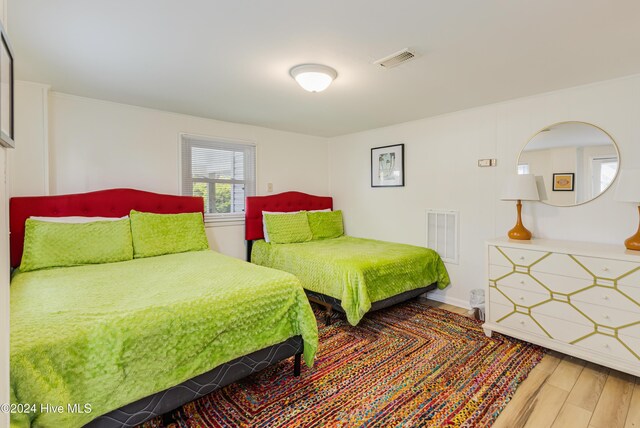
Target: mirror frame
615,145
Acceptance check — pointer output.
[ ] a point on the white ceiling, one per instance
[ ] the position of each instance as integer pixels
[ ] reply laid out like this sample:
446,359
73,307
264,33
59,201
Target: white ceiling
229,60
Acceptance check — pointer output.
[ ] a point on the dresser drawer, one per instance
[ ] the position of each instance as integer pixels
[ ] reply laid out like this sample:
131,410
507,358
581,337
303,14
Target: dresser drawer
522,322
498,310
506,256
606,316
498,271
522,281
609,346
607,268
631,331
563,265
496,296
539,281
632,291
587,316
523,297
634,345
497,258
605,298
561,321
540,325
560,329
632,280
562,284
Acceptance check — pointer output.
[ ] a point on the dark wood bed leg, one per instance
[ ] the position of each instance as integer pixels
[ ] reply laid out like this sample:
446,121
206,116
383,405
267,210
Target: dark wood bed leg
327,307
297,364
327,316
249,248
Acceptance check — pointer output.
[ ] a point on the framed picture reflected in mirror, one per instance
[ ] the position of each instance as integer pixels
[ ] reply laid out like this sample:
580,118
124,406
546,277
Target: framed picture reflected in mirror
563,182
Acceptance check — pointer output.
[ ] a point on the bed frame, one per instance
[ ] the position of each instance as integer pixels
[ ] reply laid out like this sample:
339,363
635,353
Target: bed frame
118,203
297,201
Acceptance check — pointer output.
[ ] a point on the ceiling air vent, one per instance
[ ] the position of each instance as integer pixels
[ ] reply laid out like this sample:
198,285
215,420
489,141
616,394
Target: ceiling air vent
396,59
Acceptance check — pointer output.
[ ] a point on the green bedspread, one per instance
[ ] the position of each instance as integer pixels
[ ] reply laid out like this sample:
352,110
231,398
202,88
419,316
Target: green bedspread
113,333
357,271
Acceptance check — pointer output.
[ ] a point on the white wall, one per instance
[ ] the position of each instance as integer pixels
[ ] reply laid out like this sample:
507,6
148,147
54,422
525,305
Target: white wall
4,269
4,287
29,162
441,172
95,145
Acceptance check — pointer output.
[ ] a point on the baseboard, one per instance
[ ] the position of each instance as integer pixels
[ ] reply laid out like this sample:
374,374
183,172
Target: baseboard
443,298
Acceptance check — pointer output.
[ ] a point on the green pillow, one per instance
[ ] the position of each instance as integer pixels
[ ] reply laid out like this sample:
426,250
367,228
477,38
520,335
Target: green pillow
288,228
158,234
326,225
71,244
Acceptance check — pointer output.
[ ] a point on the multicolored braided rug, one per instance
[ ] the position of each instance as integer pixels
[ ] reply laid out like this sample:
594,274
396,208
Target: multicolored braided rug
409,365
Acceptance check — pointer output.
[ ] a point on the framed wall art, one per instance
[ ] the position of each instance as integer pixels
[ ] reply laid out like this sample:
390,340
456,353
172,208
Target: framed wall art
6,92
387,166
563,182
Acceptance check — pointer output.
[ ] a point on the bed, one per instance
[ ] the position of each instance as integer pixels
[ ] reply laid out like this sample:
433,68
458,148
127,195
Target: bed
119,338
346,274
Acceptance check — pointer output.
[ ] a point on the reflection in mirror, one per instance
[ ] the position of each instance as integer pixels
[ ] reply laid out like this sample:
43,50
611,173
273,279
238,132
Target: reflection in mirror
575,161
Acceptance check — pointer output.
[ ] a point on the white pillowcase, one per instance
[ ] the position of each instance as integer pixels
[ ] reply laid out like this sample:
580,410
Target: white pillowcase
76,219
264,224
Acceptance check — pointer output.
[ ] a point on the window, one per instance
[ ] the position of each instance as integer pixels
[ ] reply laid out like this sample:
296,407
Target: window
223,173
523,168
603,172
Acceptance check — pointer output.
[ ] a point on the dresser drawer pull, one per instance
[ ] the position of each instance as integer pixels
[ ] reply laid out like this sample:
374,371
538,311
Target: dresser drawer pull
522,282
521,297
605,316
522,258
605,297
605,269
606,346
522,322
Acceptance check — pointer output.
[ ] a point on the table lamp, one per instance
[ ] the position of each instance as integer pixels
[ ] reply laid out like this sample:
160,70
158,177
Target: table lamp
628,190
520,187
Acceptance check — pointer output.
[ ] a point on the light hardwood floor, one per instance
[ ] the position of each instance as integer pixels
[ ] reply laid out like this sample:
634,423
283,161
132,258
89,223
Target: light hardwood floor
563,391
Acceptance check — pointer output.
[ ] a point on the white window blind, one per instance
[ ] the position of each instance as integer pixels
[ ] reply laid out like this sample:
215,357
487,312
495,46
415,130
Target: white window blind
223,173
442,234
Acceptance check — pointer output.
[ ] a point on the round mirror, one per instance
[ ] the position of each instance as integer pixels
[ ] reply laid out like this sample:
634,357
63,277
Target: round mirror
574,162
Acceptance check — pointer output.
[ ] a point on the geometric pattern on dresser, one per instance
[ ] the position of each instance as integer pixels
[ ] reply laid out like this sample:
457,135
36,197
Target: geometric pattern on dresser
601,297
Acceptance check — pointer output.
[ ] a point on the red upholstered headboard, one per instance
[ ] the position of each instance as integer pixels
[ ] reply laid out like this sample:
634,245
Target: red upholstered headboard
103,203
282,202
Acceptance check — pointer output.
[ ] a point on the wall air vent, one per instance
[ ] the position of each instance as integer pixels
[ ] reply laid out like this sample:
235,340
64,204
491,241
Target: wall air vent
396,59
443,230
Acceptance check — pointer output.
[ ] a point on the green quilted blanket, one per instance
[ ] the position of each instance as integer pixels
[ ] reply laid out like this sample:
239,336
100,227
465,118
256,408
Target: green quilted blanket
357,271
109,334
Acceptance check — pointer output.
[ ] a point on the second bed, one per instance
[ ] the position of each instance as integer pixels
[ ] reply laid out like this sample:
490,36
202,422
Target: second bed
351,275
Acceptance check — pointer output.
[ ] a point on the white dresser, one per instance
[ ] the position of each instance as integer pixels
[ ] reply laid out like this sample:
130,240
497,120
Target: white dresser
577,298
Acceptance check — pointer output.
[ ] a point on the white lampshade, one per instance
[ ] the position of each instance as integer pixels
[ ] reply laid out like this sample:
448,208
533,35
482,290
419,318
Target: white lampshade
628,188
313,77
520,187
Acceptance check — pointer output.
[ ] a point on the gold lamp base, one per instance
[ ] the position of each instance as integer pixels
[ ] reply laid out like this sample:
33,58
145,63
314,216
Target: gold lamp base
520,232
633,242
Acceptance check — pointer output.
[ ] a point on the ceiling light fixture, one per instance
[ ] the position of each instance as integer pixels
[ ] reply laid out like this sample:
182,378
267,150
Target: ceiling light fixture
313,77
